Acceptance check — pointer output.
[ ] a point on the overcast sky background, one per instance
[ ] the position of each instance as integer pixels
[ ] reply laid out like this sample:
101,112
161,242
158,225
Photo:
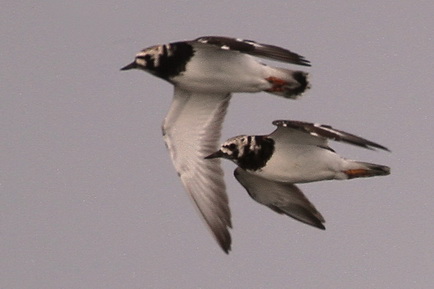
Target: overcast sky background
90,199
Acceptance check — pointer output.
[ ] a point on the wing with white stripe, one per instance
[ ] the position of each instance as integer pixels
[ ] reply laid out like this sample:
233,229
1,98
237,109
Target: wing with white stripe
254,48
192,131
312,133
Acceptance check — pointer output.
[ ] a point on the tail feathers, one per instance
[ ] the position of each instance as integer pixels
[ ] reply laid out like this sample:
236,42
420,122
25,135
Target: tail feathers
364,170
288,83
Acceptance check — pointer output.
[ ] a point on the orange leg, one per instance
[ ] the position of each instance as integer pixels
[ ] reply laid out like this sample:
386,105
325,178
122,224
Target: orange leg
278,84
357,173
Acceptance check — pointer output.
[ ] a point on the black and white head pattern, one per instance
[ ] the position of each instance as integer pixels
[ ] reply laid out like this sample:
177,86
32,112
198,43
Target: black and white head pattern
164,61
248,152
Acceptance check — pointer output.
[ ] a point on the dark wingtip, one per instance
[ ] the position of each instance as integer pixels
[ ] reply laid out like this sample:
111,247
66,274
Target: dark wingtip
383,170
132,65
224,240
226,249
304,62
385,148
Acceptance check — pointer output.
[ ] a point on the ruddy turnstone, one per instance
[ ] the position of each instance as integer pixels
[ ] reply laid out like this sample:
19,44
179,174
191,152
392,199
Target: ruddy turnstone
296,152
205,72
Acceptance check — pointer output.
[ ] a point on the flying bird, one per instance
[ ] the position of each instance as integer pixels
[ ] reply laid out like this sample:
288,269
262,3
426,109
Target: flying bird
205,72
269,166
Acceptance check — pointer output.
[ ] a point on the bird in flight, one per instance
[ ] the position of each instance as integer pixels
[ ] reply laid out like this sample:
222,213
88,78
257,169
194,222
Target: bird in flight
205,72
269,166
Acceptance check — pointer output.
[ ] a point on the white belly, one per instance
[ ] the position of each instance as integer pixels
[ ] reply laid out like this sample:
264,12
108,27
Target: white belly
225,71
301,164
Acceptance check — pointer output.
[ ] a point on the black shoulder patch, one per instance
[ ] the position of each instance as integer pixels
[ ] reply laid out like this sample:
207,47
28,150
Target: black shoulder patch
173,63
257,158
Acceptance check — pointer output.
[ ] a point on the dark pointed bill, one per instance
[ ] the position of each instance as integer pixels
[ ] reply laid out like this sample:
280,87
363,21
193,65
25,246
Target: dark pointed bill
217,154
132,65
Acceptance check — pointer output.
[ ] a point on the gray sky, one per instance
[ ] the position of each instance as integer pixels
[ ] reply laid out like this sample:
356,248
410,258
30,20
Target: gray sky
89,197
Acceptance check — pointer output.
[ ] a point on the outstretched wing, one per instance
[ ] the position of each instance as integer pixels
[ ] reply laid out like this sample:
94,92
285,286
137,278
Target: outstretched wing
192,131
283,198
320,133
255,49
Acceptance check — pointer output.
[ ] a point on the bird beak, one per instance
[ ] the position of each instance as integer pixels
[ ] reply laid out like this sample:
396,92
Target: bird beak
132,65
217,154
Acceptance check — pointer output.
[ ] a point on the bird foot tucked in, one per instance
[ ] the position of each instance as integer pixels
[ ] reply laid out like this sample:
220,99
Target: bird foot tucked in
278,85
358,173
